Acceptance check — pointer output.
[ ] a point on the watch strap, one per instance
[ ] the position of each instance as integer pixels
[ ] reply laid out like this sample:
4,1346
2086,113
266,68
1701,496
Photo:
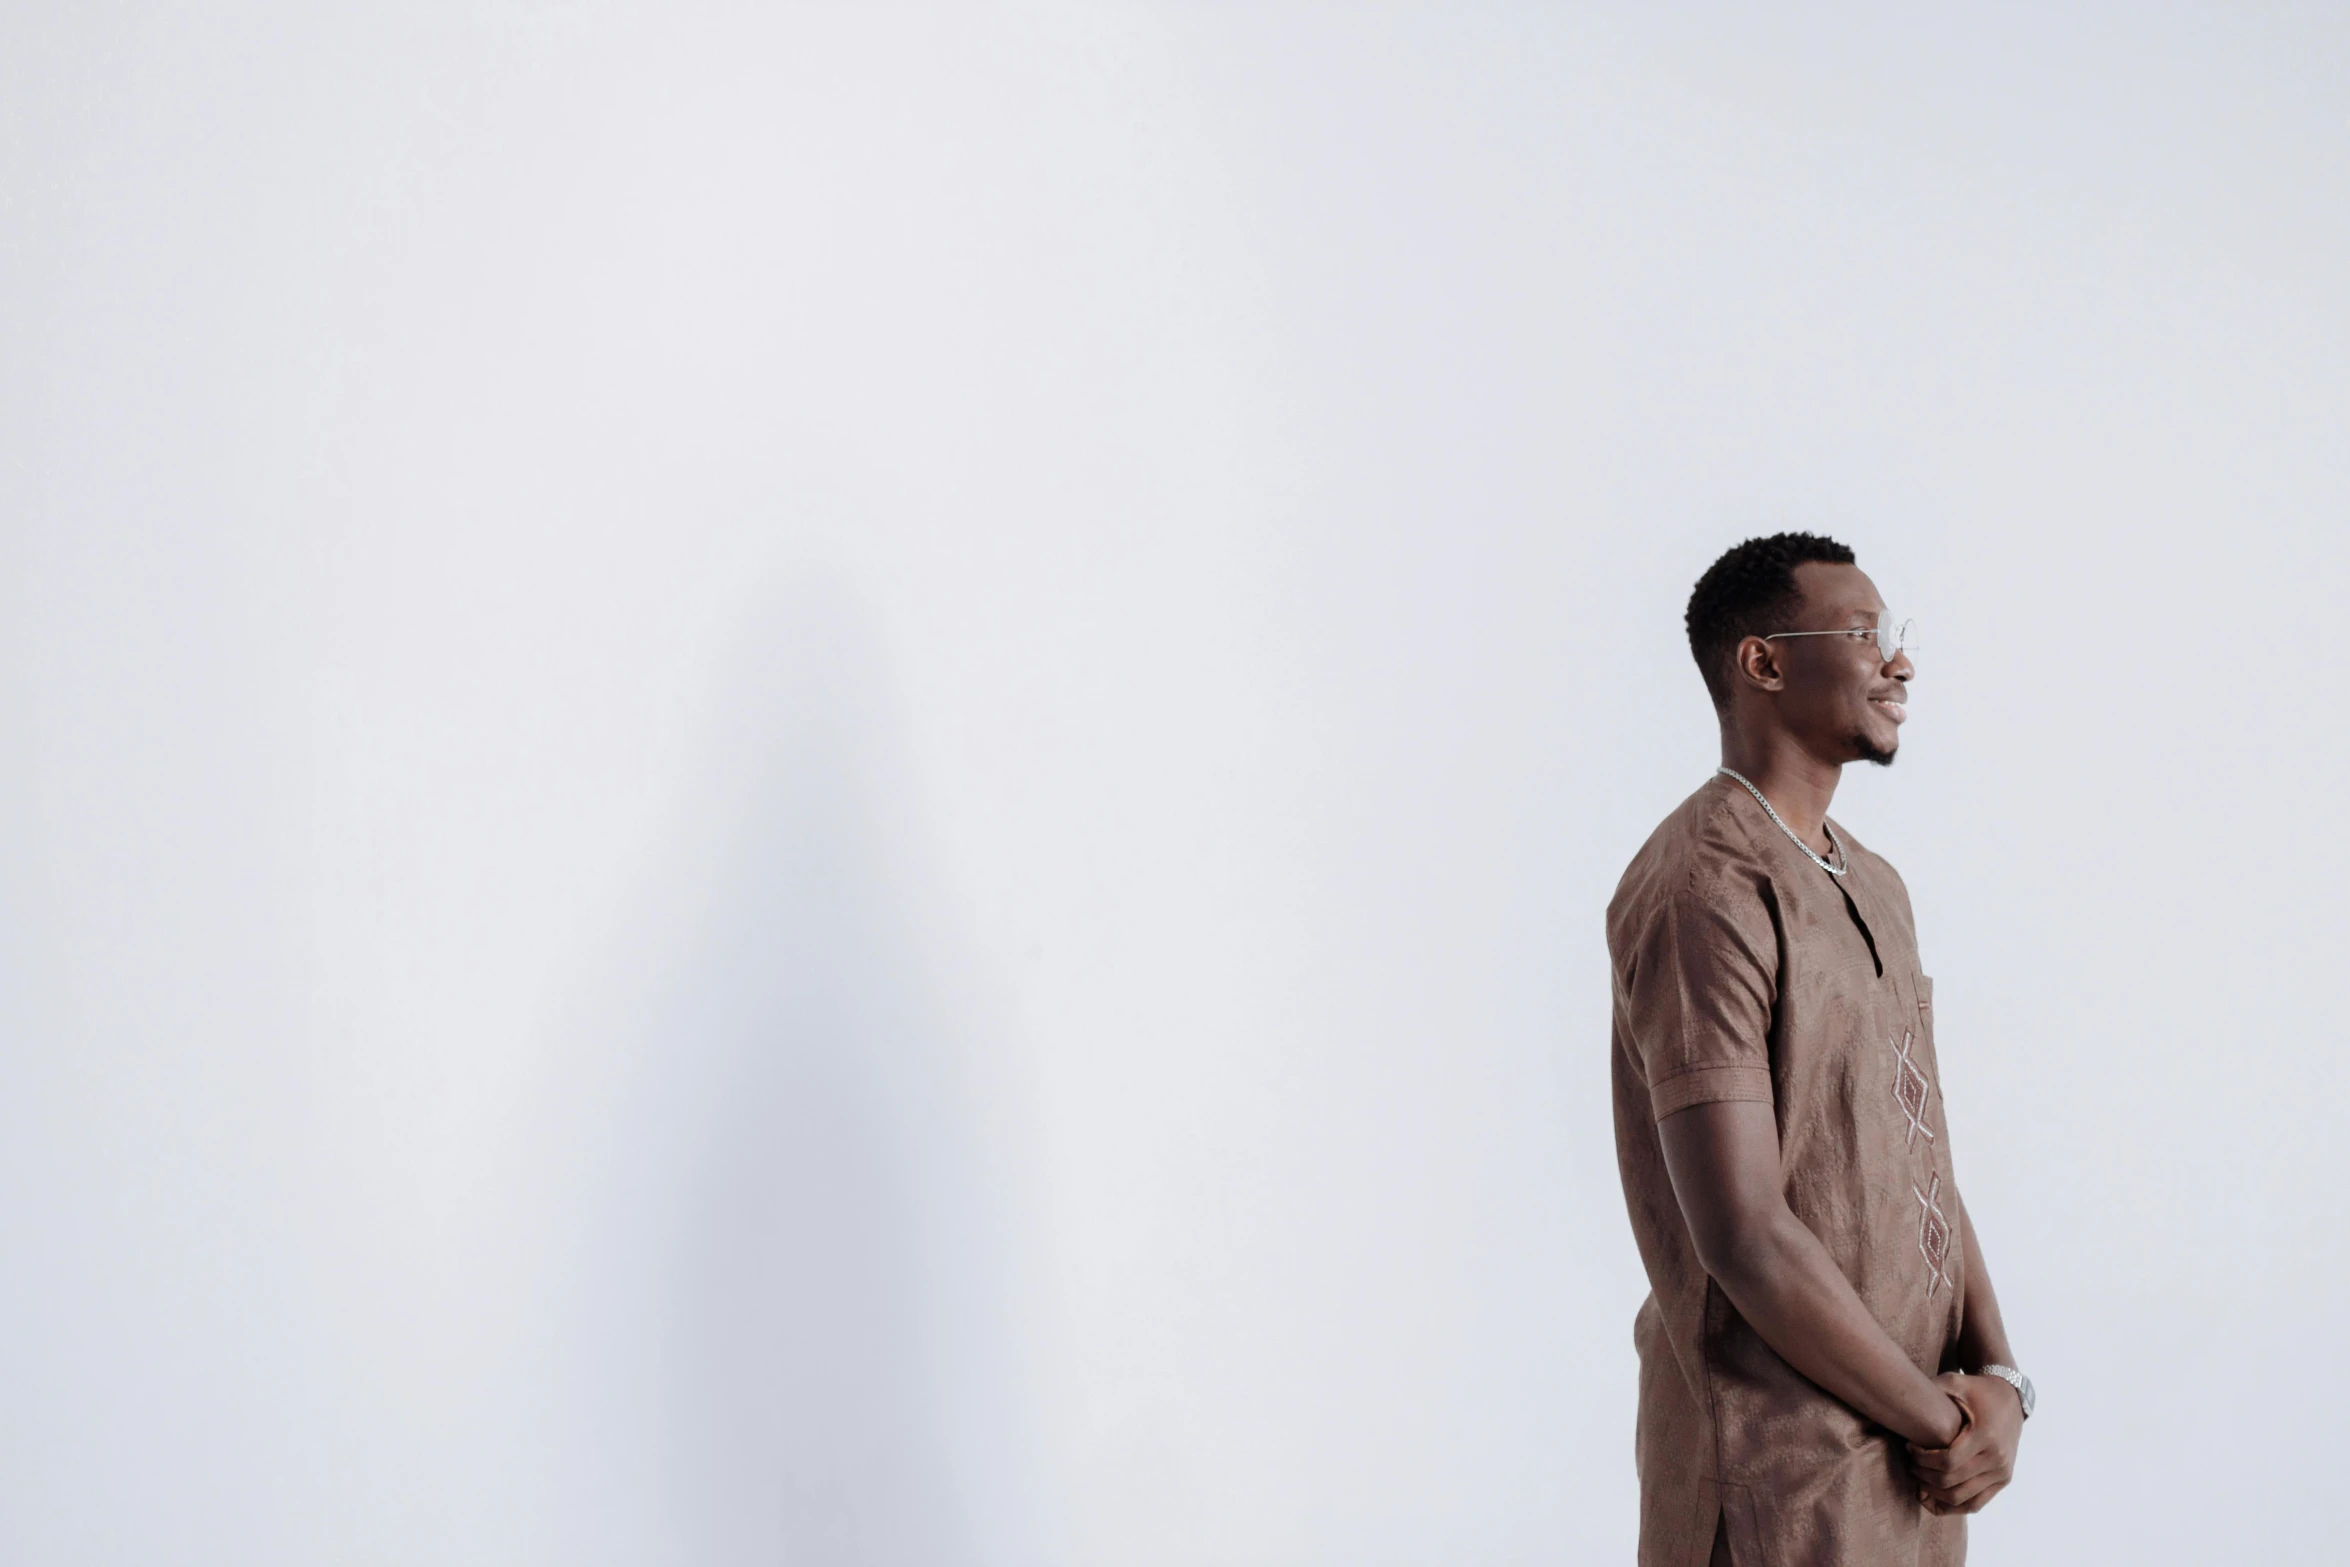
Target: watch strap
2015,1379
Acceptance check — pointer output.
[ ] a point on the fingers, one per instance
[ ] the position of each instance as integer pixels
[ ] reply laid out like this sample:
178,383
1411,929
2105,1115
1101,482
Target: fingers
1983,1497
1959,1467
1971,1447
1954,1493
1943,1462
1955,1498
1965,1478
1937,1507
1958,1487
1971,1497
1969,1436
1936,1459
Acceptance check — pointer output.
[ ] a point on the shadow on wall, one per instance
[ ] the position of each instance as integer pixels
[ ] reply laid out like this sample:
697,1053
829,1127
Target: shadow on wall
792,1243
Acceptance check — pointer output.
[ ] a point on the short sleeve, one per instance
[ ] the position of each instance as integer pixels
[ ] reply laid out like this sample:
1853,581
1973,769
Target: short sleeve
1698,993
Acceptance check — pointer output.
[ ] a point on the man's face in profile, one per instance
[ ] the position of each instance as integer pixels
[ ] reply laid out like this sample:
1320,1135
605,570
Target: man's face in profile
1842,698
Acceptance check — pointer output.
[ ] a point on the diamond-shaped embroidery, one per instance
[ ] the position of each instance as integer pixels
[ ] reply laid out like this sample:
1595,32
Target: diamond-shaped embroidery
1910,1090
1933,1235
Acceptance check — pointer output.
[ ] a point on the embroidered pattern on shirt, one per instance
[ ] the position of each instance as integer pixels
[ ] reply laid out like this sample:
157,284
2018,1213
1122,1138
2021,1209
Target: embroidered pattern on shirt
1933,1235
1910,1089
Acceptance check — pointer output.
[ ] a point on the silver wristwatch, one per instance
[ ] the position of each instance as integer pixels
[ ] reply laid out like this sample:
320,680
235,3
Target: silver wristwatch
2015,1379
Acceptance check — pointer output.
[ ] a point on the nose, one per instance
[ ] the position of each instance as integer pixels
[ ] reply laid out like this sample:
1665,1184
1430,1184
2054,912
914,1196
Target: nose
1901,668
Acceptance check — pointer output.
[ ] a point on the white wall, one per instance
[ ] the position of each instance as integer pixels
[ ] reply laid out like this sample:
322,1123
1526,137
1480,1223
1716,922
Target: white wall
835,786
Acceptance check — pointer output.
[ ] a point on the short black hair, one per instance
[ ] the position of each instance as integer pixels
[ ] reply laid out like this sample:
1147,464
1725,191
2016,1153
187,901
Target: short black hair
1750,592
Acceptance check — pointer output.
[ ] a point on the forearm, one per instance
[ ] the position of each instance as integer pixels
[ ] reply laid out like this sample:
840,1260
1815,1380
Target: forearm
1790,1290
1982,1337
1724,1160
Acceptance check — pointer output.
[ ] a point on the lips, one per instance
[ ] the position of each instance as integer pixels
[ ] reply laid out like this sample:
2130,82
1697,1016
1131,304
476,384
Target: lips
1892,707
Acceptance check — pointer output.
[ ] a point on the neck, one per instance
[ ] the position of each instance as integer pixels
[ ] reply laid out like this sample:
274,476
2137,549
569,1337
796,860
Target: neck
1798,784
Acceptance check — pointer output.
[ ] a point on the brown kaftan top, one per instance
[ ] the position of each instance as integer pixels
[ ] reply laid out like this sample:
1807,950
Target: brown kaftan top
1744,971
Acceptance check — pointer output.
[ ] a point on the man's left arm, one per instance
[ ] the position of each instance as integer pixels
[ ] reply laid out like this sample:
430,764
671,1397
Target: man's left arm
1964,1476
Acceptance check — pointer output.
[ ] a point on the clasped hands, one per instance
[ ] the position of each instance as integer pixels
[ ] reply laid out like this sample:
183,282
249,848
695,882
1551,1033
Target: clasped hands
1980,1460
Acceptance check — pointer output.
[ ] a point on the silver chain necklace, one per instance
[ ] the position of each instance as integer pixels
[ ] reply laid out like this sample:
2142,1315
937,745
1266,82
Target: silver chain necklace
1833,870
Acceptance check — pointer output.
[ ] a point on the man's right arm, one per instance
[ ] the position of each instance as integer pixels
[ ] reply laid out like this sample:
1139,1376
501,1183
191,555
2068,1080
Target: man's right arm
1724,1160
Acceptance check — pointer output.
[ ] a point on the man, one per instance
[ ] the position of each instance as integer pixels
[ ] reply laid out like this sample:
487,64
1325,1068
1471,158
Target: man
1823,1374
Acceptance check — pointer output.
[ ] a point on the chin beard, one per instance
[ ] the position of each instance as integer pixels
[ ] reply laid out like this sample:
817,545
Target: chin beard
1867,750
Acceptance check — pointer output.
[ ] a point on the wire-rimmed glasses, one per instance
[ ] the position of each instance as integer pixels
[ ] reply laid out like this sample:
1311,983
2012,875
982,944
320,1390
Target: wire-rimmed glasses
1893,637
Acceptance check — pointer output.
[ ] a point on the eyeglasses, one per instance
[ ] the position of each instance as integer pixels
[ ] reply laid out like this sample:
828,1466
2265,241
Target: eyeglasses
1893,637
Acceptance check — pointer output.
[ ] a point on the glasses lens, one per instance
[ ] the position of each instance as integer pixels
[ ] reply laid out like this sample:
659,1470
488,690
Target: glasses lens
1895,637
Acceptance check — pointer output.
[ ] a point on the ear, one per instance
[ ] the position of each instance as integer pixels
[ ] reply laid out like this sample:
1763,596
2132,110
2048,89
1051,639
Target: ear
1756,663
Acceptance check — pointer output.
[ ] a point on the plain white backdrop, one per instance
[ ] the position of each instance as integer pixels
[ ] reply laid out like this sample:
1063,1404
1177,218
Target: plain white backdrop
834,785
